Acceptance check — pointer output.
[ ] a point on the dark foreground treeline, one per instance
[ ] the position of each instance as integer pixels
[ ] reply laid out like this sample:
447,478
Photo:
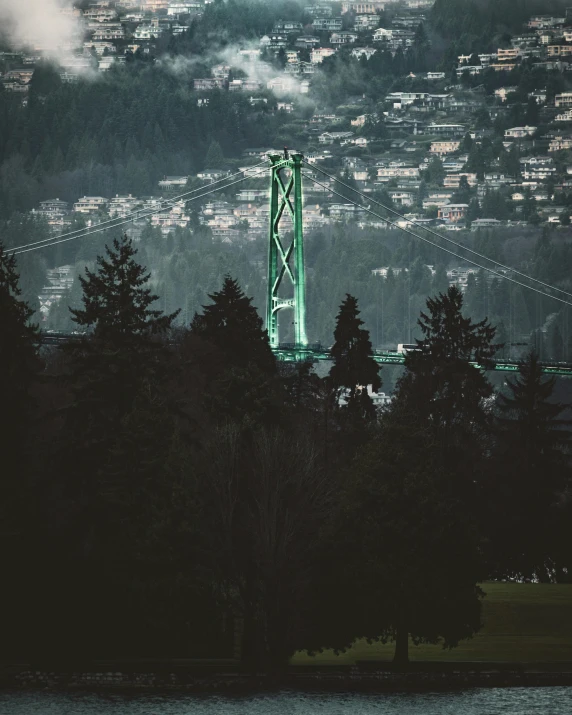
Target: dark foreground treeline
176,492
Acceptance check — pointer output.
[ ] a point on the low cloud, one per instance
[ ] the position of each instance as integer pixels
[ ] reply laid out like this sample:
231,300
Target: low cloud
258,71
281,84
51,27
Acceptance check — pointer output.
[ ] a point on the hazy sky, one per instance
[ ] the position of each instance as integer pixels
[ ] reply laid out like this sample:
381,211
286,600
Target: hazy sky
39,23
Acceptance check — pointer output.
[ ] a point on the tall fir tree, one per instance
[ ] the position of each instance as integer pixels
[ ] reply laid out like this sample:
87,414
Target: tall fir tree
233,353
531,475
354,367
121,355
124,337
19,372
233,325
19,365
96,505
19,368
405,545
214,158
444,389
450,388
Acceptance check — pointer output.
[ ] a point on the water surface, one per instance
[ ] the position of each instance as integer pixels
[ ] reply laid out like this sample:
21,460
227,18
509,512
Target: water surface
492,701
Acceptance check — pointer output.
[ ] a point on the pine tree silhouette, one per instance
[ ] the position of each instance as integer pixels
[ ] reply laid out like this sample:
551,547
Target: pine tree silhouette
19,364
122,353
531,473
354,367
232,324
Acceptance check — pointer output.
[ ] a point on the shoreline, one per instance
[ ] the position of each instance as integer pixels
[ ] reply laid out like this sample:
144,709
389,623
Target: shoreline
236,683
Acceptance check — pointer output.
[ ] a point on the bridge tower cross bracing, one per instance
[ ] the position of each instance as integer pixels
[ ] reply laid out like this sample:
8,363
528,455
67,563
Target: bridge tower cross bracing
286,263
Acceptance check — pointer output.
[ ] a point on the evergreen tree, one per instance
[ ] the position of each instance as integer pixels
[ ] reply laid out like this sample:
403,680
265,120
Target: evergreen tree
214,158
354,367
406,547
116,366
556,347
477,162
232,324
466,143
532,112
440,282
21,472
435,173
19,365
443,388
463,193
233,353
474,211
532,472
123,330
510,162
121,352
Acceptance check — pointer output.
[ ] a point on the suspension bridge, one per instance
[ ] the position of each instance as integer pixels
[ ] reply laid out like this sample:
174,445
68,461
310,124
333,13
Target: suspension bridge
286,279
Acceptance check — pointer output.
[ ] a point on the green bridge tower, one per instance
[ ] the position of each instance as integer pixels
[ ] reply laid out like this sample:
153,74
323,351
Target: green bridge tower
286,277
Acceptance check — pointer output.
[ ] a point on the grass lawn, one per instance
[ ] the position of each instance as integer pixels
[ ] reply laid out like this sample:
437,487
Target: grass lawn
527,623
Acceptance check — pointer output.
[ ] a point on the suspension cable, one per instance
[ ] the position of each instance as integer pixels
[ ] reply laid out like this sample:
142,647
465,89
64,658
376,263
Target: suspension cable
99,227
435,233
435,245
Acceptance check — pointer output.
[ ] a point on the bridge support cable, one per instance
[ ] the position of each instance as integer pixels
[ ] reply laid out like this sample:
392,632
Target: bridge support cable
416,224
435,245
286,281
145,213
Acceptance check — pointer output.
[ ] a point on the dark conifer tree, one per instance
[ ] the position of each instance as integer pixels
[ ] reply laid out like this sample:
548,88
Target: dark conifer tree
121,357
408,553
532,472
556,348
443,388
18,366
233,353
232,324
122,345
19,369
214,157
354,367
446,387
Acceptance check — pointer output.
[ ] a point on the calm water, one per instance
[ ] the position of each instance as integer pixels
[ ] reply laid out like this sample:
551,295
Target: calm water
495,701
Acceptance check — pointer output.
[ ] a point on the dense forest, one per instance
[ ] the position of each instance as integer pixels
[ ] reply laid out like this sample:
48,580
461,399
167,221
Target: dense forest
177,492
487,19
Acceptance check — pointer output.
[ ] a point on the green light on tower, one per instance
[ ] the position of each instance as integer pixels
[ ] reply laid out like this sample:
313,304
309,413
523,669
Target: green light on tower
286,263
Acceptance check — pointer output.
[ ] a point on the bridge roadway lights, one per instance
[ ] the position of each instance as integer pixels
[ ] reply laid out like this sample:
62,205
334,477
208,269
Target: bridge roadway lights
311,353
290,352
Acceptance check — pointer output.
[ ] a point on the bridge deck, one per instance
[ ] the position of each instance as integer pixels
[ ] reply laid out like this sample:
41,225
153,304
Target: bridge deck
385,357
316,353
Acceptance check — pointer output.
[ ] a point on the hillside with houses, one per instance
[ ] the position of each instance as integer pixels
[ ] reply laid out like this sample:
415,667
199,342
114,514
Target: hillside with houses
469,136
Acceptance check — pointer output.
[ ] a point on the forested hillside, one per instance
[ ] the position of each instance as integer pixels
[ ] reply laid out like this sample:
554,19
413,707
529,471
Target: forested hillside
456,18
118,135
